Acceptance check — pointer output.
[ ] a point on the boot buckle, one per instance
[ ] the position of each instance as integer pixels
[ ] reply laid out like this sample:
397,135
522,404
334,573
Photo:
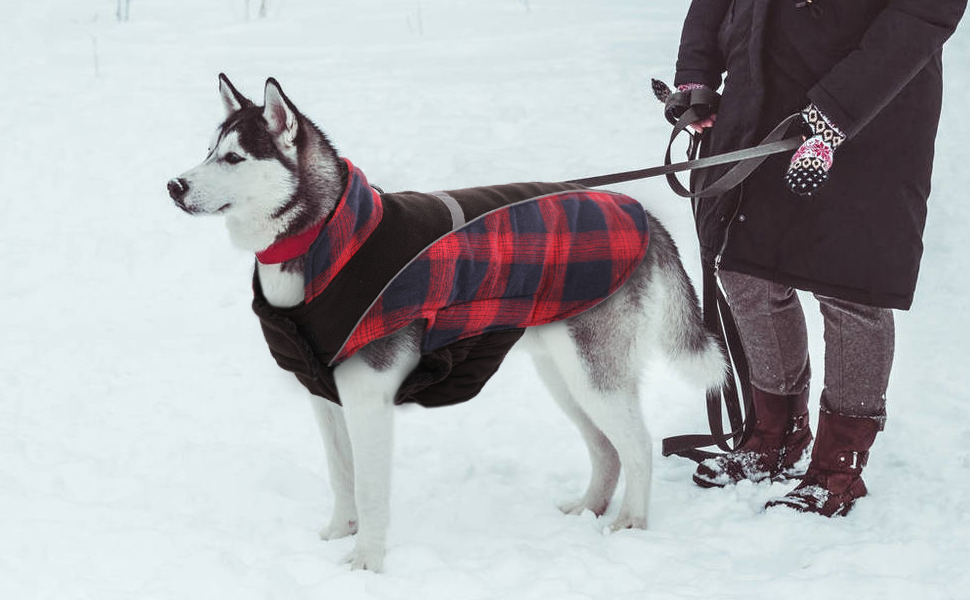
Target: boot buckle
852,460
799,423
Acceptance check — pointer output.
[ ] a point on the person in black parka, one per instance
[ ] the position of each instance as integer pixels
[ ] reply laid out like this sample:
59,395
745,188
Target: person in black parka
843,218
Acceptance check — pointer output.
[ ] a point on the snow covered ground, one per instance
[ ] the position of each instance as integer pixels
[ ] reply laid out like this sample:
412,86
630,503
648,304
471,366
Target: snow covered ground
151,449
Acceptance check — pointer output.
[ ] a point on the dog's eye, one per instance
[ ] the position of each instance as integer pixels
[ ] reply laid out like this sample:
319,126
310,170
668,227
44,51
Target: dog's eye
232,158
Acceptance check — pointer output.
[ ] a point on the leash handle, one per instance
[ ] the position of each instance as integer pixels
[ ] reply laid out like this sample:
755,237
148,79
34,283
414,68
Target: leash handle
703,101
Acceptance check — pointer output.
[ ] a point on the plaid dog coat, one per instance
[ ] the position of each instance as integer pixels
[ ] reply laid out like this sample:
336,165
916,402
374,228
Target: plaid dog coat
477,266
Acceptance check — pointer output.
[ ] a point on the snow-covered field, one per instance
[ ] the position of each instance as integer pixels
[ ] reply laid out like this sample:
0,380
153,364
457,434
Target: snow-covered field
151,449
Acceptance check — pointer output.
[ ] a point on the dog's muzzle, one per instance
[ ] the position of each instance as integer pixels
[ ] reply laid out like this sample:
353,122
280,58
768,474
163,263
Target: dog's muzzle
177,188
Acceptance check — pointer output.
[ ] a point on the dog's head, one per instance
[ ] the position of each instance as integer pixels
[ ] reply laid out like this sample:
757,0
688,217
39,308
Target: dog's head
268,170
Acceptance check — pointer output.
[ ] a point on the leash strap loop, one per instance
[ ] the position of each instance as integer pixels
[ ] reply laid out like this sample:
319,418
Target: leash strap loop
676,105
751,159
704,101
719,321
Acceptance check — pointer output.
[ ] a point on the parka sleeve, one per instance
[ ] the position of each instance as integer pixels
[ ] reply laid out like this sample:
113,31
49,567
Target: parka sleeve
901,40
699,59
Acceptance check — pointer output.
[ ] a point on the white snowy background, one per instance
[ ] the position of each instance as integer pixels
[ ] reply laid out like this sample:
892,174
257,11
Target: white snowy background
151,449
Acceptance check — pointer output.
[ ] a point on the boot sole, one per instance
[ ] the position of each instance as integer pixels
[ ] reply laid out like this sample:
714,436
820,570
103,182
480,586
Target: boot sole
802,507
790,475
794,472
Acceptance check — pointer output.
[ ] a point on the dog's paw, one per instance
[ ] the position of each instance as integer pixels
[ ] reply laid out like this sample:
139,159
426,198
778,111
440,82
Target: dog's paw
627,521
339,527
366,557
578,507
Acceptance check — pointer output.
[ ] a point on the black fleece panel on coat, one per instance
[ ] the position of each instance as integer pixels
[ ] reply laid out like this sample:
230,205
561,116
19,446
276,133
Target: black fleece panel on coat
449,375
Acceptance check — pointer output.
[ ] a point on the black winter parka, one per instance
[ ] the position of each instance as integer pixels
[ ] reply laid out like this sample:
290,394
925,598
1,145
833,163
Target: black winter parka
872,66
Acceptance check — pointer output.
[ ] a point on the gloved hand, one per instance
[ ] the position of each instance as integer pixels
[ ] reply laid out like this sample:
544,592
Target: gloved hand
810,165
689,95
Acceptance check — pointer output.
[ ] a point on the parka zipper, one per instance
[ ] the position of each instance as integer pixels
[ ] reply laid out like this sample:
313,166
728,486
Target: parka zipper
727,231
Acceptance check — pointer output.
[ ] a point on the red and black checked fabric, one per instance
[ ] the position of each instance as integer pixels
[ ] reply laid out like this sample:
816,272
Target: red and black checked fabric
527,264
354,218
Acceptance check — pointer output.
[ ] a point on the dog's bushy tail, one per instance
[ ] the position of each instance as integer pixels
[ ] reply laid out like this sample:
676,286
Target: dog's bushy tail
681,335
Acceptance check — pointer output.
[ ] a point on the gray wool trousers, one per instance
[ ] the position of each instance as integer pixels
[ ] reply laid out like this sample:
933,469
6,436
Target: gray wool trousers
859,345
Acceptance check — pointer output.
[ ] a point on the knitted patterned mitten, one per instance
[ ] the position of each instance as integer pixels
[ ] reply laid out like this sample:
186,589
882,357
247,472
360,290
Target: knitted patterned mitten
688,87
810,165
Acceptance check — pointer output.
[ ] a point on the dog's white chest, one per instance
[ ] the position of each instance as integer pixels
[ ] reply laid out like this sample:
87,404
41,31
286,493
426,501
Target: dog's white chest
283,289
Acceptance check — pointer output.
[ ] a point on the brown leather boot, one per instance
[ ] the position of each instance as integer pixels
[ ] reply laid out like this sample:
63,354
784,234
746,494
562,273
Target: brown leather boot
833,481
778,443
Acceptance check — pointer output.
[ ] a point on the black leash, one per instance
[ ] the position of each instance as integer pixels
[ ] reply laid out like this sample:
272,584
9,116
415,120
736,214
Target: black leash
761,150
748,160
717,314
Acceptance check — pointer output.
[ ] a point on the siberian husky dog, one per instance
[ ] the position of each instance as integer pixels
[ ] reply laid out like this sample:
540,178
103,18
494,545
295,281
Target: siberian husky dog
271,173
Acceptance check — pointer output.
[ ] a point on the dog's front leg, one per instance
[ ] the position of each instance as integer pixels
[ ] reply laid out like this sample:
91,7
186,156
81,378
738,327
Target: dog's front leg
367,395
340,466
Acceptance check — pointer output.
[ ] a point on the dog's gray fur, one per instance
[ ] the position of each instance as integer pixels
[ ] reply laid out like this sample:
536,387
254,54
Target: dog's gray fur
271,172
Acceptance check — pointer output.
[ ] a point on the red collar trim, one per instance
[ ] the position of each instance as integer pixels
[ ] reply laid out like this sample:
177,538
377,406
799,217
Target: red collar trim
291,247
298,245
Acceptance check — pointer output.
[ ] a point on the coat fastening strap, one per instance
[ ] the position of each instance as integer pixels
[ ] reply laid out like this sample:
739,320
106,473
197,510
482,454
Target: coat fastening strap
457,214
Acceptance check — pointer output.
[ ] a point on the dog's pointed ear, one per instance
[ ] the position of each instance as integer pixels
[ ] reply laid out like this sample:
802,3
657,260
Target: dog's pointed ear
280,114
232,100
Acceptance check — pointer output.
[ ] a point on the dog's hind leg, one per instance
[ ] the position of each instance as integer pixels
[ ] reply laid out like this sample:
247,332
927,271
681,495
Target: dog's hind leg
604,461
367,383
595,353
340,465
618,415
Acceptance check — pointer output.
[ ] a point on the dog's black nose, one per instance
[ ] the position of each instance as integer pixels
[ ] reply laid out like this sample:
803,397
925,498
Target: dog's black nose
177,188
